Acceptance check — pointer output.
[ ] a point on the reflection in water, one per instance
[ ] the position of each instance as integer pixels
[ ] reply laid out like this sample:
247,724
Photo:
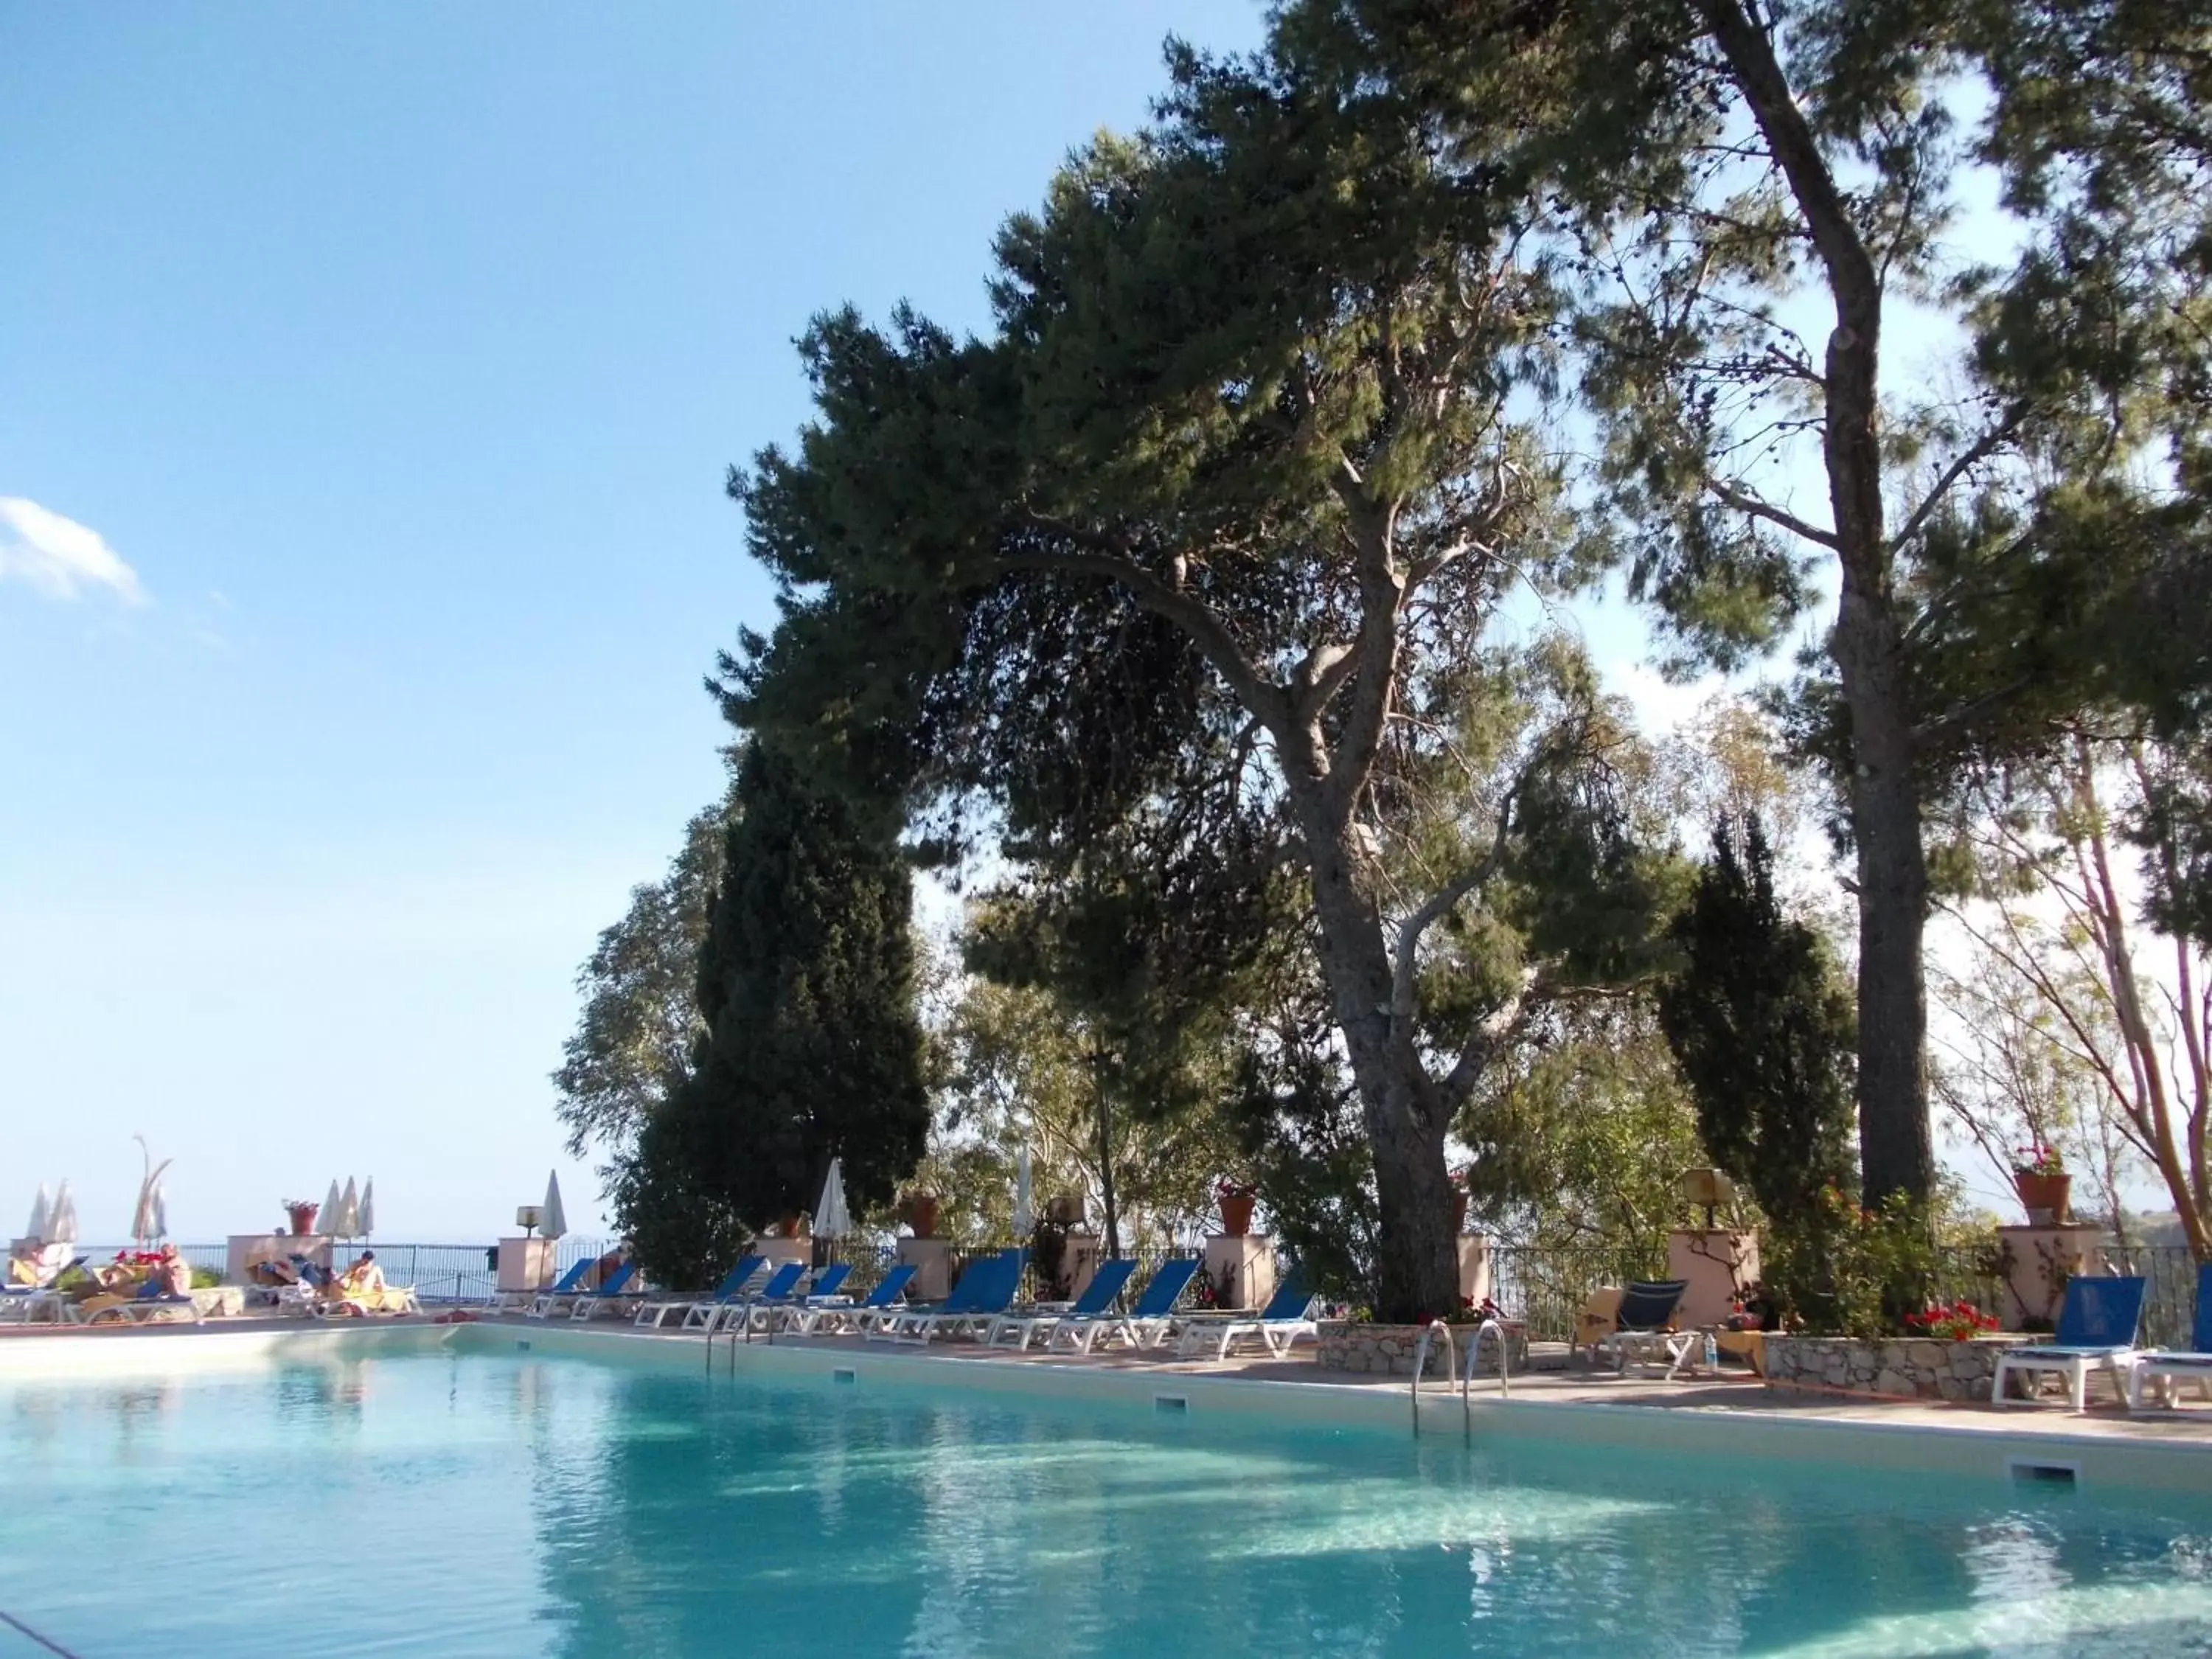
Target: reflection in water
501,1504
713,1516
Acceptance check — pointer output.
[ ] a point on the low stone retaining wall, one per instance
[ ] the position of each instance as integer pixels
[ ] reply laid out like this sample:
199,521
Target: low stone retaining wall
1388,1350
1913,1367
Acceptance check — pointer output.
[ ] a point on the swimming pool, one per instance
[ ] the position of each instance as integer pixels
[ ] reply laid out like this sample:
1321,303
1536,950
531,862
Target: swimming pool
434,1502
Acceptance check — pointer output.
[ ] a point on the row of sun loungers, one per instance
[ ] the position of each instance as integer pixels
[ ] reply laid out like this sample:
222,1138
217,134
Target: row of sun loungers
2098,1324
981,1307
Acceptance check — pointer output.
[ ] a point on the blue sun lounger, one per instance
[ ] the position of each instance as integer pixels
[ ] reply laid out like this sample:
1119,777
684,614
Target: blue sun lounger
541,1302
583,1304
1145,1326
987,1289
1098,1296
1643,1331
150,1300
651,1313
1286,1317
2193,1365
2096,1332
780,1284
825,1318
769,1310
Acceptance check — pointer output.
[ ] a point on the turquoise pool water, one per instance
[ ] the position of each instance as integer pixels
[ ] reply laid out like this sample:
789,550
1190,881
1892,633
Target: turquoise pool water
465,1503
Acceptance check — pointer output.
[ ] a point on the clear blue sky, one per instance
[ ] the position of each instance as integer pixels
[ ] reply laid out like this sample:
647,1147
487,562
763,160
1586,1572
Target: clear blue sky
381,365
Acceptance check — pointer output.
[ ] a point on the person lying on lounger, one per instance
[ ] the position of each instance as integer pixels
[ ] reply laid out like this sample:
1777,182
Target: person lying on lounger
361,1290
24,1264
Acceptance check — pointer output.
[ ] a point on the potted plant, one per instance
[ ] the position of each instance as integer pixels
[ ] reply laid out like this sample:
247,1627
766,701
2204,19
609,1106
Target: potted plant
2039,1177
1065,1209
1237,1199
919,1213
302,1214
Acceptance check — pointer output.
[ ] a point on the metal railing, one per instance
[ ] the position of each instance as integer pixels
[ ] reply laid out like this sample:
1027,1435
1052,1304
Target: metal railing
439,1273
1546,1286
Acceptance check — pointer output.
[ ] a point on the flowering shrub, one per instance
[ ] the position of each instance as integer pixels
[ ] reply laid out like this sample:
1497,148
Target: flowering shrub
2038,1161
1844,1270
1960,1322
1230,1188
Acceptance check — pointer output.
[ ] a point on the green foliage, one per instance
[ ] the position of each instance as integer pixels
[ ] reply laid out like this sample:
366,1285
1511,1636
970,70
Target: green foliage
632,1045
1019,1070
1759,1021
1303,1137
1845,1271
813,1049
1205,536
1579,1139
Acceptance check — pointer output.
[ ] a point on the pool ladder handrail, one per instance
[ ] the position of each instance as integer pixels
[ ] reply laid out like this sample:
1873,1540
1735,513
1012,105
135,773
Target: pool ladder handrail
1421,1366
1497,1328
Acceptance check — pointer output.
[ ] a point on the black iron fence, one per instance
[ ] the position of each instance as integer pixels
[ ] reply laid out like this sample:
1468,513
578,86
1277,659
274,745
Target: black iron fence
1547,1286
439,1273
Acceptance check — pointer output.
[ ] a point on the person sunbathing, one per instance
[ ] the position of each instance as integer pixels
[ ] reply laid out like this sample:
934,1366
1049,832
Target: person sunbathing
171,1275
361,1290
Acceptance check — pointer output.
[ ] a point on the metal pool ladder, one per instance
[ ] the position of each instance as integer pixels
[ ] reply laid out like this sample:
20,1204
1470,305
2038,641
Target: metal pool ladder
1505,1368
1421,1366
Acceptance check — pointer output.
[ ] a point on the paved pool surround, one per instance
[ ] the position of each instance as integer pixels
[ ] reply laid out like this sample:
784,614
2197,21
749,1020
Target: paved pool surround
1718,1420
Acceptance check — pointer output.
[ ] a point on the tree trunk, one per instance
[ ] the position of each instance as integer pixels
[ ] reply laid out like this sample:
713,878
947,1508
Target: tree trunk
1418,1270
1896,1153
1106,1161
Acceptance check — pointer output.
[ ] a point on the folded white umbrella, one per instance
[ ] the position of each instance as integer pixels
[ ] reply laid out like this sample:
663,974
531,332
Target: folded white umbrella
42,1216
327,1218
348,1211
1024,1220
145,1219
161,1214
367,1219
555,1221
831,1218
61,1227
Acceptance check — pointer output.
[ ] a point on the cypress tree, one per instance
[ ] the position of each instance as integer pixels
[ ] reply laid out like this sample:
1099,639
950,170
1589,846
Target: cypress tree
1761,1027
812,1049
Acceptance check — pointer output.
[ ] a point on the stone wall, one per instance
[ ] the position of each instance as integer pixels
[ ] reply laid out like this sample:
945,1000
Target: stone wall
1918,1367
1388,1350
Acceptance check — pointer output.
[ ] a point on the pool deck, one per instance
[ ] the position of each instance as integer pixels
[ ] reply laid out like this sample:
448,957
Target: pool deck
1732,1399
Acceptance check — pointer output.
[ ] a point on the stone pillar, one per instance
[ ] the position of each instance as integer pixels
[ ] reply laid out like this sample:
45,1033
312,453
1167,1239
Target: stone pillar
526,1263
932,1259
2038,1261
1717,1265
1242,1269
1473,1268
245,1249
777,1250
1080,1262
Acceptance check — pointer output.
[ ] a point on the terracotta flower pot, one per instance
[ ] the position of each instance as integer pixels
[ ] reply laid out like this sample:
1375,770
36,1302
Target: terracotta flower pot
303,1218
2052,1192
921,1212
1236,1215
